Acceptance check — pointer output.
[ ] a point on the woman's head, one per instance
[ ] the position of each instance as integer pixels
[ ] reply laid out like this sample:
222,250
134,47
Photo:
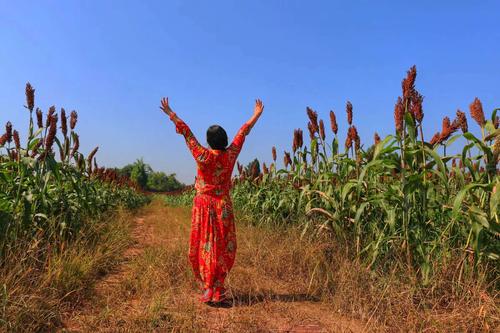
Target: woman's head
217,137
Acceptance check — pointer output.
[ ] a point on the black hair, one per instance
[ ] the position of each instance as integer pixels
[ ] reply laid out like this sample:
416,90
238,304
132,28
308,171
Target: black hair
217,137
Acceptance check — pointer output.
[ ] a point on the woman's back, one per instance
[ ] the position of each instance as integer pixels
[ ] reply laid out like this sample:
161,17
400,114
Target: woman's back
215,170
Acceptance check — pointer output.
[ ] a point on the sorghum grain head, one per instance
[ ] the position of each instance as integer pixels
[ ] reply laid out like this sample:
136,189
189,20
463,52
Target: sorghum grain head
265,170
348,109
447,130
416,108
333,122
312,131
322,130
52,110
64,124
30,97
17,141
399,115
461,120
8,131
313,117
49,140
408,83
476,112
73,119
435,138
376,138
3,139
39,119
300,138
274,153
348,139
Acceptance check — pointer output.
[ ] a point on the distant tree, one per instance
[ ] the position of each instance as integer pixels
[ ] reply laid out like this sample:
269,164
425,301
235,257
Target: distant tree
140,172
148,179
161,182
126,170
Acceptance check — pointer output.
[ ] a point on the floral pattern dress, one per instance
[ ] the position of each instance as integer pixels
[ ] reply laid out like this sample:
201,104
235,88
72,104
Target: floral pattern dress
212,248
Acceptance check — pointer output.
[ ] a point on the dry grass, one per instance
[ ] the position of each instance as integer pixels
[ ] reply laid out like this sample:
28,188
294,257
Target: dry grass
39,282
280,283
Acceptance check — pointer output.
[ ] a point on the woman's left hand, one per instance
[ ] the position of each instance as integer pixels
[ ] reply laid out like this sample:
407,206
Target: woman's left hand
166,107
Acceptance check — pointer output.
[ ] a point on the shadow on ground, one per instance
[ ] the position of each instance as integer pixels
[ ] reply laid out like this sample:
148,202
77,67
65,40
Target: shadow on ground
247,299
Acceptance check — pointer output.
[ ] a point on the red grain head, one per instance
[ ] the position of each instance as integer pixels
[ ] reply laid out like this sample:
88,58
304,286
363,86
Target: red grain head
435,138
17,141
399,115
333,122
408,83
322,130
376,138
476,112
416,108
274,153
348,139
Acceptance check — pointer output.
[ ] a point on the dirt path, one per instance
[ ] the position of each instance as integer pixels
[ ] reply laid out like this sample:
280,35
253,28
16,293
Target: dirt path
152,290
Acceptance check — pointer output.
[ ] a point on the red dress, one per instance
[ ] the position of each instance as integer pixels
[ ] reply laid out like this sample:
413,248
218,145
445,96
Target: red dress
212,248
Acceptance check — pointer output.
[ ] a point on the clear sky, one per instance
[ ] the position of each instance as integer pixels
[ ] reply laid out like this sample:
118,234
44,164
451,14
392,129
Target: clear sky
112,61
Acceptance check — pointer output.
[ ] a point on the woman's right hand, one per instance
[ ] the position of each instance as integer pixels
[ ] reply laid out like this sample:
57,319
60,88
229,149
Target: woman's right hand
259,108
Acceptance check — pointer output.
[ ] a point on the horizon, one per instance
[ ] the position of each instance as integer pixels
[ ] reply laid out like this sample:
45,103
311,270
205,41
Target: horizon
112,65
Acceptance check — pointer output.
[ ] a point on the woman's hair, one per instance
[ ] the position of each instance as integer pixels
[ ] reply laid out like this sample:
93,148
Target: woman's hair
217,137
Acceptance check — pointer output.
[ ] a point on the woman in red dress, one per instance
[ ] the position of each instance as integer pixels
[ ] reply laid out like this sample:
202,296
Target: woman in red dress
212,247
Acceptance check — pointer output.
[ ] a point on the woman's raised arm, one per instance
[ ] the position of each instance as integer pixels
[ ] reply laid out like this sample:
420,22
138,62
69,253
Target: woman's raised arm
198,151
239,139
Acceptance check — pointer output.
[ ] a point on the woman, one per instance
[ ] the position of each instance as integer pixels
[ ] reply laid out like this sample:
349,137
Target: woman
212,246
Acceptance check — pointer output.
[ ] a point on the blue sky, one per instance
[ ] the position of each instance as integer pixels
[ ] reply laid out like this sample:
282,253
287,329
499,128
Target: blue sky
112,61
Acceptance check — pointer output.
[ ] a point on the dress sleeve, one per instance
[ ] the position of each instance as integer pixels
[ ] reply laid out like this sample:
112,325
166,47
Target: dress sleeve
199,152
239,139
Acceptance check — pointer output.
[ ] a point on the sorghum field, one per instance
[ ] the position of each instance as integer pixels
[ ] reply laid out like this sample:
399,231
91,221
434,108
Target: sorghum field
398,234
401,207
53,201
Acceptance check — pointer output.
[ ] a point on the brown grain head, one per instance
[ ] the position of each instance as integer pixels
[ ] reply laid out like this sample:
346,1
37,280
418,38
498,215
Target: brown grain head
461,120
313,117
8,131
17,141
39,118
333,122
64,122
348,109
30,97
322,130
73,118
